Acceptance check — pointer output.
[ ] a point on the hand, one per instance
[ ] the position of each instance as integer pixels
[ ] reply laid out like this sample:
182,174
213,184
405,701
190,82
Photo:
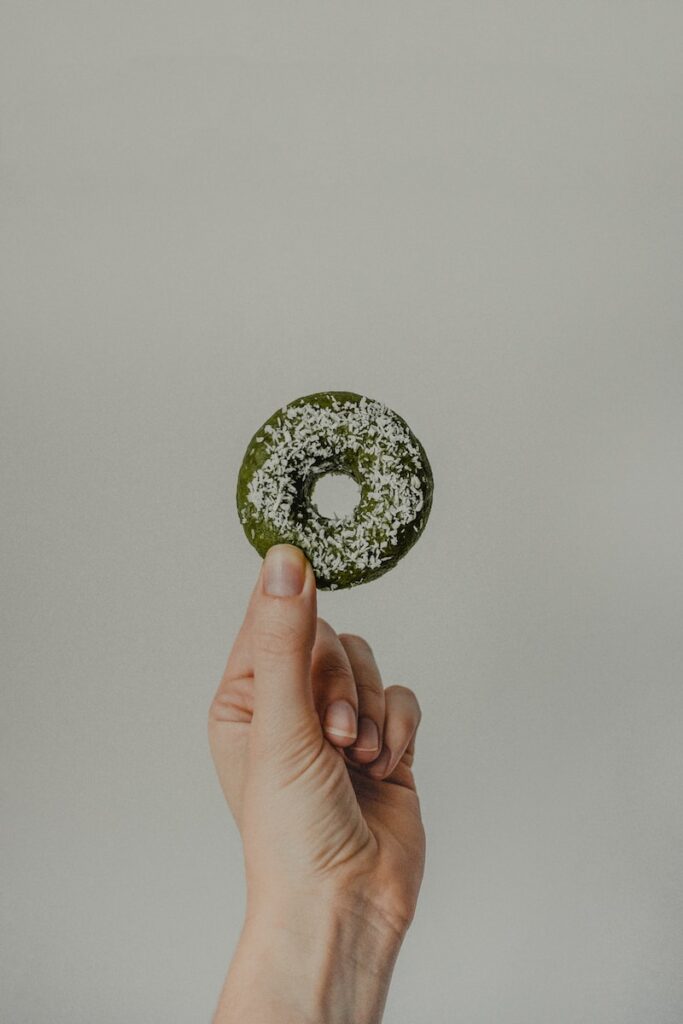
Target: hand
325,822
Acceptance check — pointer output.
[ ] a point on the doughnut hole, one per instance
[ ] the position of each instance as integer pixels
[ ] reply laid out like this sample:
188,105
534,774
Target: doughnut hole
335,495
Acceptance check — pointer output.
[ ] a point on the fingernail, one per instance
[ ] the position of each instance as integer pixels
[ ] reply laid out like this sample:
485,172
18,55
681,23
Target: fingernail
380,766
340,720
284,571
368,736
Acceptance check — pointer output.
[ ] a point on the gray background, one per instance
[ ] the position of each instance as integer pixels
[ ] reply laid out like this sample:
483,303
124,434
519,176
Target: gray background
471,211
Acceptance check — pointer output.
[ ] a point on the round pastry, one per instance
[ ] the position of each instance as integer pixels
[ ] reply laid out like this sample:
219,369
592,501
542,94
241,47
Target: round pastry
336,432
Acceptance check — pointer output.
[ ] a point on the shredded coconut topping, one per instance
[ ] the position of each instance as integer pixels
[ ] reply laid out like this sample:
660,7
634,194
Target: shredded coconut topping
309,441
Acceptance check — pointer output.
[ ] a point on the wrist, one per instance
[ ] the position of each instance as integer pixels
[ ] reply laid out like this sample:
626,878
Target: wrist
305,965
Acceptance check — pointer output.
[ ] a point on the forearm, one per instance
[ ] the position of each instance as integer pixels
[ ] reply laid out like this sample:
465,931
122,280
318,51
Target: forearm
310,967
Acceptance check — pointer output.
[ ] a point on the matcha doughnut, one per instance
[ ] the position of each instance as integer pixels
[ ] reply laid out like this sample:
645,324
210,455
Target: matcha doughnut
336,432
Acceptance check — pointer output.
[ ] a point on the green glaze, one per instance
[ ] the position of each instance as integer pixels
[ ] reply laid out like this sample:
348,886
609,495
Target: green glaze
262,533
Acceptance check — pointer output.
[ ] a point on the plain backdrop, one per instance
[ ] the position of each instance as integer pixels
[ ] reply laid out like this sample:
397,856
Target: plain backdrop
473,212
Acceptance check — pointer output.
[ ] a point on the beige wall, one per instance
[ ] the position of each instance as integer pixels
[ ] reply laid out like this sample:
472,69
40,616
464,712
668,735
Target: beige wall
472,212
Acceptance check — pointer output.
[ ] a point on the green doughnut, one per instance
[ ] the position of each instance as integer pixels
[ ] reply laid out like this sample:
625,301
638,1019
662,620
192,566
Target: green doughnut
343,433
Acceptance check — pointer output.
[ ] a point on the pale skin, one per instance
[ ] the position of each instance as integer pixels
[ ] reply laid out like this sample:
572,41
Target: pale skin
333,841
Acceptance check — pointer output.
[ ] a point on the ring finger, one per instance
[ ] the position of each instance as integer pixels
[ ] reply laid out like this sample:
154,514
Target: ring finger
403,715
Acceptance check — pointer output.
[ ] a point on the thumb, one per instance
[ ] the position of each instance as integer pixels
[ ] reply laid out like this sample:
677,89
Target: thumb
283,629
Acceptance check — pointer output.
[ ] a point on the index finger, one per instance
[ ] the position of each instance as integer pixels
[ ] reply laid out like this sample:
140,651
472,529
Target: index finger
240,663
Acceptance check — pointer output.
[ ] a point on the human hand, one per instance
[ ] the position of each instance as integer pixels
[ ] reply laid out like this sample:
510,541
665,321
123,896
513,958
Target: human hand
322,825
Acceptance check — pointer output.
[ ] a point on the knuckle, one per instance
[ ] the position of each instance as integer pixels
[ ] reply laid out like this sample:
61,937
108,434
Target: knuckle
398,690
408,699
398,911
215,709
212,713
332,667
356,641
216,705
277,636
231,704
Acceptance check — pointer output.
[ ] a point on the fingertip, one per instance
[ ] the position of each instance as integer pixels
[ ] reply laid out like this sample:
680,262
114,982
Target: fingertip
339,723
284,571
378,769
337,739
367,745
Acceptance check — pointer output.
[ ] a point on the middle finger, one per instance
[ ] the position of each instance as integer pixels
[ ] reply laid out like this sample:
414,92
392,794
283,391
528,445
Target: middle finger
334,687
371,700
